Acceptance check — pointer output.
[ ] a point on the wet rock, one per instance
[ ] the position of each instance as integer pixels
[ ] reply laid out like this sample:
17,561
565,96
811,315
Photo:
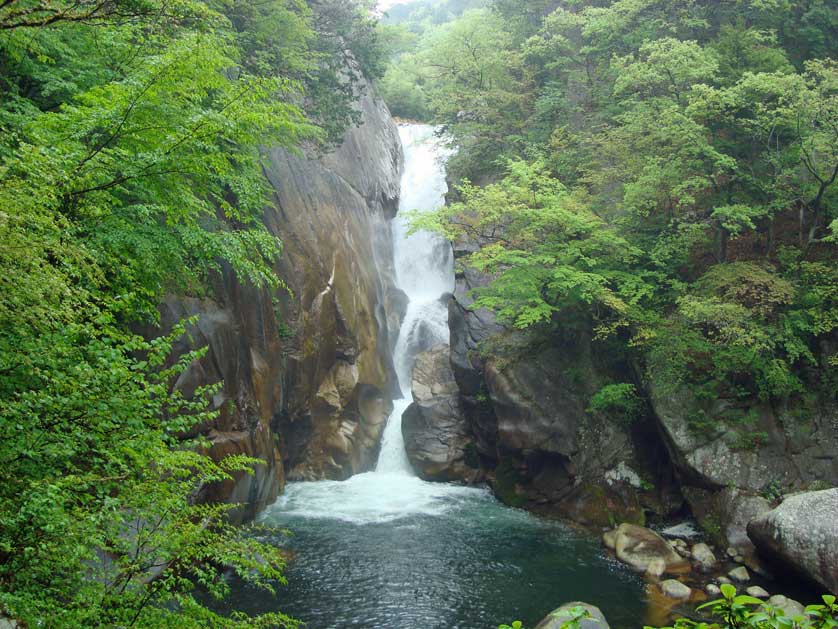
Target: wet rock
722,580
638,547
675,589
801,533
609,539
712,590
656,568
757,592
568,612
740,574
790,607
703,556
435,431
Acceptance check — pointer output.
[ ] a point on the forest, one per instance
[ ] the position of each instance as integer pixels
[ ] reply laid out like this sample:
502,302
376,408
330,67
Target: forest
662,174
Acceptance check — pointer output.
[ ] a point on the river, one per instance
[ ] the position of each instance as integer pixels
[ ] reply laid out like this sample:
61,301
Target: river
386,550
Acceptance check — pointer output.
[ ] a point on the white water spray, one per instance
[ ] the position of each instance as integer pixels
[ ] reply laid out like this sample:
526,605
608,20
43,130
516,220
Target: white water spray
425,272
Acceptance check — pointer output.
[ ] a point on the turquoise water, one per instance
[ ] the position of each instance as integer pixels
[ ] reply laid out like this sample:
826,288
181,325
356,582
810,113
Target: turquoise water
457,559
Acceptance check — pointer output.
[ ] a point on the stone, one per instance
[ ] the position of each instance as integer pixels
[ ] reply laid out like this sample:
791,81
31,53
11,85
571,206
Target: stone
740,574
712,590
436,435
723,580
675,589
703,556
757,592
609,539
638,546
558,618
739,559
731,552
656,567
790,607
802,533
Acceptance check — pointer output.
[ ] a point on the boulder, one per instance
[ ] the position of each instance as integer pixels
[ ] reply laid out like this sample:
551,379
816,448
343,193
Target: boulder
656,568
703,556
790,607
557,619
675,589
638,547
436,435
802,532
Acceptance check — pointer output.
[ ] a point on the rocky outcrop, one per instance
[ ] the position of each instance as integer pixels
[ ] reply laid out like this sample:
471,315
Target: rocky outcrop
434,427
586,616
727,467
802,533
526,398
307,374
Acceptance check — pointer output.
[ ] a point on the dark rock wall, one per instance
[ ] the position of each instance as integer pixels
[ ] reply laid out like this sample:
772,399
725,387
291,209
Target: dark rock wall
307,374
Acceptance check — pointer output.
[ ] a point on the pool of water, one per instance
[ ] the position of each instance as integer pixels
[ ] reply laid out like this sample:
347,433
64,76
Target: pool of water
440,557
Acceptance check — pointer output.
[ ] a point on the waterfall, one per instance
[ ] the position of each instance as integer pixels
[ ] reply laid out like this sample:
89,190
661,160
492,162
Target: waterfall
424,271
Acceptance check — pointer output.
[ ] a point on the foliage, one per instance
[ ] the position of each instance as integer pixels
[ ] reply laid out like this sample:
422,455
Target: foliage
131,167
619,398
664,169
740,611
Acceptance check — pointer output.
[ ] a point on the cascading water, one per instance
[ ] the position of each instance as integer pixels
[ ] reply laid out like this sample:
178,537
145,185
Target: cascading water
386,550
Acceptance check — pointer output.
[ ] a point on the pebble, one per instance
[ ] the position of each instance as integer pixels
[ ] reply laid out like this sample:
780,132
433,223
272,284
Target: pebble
723,581
731,552
740,574
712,589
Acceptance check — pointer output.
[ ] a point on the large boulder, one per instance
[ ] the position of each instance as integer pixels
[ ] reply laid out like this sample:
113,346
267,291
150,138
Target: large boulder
436,435
802,532
638,547
558,618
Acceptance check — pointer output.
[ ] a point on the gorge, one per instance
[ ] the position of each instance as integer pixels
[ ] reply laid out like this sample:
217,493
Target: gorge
316,314
387,549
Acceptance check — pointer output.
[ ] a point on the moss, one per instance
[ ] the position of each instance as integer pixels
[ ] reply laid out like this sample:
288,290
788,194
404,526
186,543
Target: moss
506,478
470,456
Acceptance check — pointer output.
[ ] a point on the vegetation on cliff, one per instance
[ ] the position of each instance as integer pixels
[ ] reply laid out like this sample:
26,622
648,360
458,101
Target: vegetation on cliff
130,167
665,169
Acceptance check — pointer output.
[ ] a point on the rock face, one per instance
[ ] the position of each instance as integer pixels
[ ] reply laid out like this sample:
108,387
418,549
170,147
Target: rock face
435,433
525,401
307,375
567,612
724,475
803,533
639,547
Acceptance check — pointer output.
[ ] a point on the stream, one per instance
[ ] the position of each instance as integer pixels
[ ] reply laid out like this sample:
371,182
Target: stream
387,550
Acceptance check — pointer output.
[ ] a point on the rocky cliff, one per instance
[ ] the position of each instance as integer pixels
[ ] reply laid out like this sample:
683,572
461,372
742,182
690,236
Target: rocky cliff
522,418
307,375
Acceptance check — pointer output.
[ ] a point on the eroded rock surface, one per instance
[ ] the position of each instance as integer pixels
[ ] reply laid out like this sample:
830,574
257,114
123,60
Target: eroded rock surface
307,374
